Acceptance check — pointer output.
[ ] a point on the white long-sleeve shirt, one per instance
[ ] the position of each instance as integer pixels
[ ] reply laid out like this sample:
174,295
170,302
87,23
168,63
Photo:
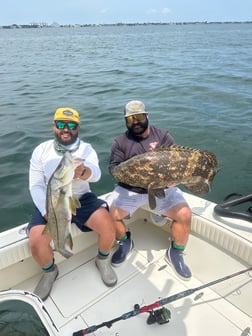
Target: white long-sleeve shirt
44,161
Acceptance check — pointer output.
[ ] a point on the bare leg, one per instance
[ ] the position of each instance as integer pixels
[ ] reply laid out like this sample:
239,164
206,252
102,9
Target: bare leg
181,215
103,224
119,215
40,245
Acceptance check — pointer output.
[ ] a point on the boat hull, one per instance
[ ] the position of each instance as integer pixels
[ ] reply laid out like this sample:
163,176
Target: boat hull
79,298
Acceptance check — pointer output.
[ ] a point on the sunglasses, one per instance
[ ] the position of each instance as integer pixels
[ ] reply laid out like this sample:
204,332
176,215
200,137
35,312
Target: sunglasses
62,124
138,117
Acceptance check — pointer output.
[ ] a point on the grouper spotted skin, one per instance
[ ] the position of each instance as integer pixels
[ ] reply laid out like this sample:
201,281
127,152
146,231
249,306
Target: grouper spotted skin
155,170
61,204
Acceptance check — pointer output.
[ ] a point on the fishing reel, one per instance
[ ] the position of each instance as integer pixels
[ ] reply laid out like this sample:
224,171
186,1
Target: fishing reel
160,316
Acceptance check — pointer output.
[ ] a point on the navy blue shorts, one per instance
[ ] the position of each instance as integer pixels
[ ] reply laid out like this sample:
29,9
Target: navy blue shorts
89,204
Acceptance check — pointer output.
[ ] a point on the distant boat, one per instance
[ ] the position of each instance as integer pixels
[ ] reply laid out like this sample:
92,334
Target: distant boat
216,301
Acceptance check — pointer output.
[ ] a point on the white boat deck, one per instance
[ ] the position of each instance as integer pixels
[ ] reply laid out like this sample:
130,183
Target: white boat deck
79,299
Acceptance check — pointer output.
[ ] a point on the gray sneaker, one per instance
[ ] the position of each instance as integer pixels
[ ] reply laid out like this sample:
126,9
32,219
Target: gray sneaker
108,275
45,284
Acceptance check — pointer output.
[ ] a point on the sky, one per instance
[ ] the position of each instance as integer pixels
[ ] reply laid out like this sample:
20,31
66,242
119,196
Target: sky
126,11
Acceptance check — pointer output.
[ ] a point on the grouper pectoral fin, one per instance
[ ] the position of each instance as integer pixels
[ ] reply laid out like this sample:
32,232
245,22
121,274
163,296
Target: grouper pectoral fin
152,193
151,197
159,193
200,187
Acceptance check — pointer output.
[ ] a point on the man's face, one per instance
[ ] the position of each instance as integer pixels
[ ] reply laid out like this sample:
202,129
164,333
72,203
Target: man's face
137,124
65,131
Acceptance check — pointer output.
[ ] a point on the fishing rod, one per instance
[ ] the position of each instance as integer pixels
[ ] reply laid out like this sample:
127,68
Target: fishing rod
160,316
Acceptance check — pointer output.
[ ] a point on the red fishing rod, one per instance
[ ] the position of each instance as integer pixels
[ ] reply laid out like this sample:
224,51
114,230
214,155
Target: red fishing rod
160,316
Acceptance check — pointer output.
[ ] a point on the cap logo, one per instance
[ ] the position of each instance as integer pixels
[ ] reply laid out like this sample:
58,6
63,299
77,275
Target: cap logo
67,113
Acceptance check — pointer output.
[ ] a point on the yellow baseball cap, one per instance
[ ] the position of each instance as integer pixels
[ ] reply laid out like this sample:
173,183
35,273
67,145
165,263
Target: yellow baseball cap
67,113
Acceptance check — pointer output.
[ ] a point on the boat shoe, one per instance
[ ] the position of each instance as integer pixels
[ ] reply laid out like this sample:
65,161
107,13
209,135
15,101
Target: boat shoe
174,257
124,249
108,275
45,284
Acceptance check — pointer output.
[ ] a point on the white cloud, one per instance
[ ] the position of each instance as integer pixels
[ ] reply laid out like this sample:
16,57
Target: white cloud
151,11
166,11
104,10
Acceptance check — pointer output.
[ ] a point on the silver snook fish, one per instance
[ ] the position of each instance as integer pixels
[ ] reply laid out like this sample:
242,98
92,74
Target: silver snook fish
61,204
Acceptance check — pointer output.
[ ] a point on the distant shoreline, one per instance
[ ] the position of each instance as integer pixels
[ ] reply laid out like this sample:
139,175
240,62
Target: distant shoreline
56,25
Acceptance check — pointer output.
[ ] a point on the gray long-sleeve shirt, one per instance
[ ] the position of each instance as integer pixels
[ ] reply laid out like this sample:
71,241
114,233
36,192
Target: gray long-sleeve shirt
126,146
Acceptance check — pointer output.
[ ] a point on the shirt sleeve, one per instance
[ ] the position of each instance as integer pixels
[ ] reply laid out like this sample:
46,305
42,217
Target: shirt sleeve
91,161
117,155
167,139
37,183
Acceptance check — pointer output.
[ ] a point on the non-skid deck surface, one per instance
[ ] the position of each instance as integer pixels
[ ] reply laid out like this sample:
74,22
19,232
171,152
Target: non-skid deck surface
80,299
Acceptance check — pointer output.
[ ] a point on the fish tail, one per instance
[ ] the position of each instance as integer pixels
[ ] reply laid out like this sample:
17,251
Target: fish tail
65,253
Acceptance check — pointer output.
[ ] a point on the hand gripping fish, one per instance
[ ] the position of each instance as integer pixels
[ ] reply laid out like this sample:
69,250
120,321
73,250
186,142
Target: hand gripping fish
61,204
155,170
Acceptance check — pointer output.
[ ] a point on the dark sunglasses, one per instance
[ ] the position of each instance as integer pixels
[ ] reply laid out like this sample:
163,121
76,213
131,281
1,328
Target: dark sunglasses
138,117
62,124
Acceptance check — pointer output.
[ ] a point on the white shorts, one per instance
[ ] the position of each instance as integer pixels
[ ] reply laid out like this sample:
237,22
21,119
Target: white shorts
130,201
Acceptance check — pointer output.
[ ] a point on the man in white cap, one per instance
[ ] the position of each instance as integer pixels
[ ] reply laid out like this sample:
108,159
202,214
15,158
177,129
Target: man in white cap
139,138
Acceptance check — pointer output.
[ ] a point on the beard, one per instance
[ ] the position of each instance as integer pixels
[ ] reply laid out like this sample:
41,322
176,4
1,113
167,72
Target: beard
137,129
66,138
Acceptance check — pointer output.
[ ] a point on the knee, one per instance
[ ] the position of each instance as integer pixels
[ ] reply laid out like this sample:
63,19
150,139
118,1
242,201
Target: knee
184,216
118,214
37,241
34,243
107,227
187,214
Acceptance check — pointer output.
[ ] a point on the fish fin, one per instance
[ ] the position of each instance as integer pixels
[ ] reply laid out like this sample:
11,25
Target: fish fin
152,200
73,204
200,187
152,193
159,193
151,197
69,241
65,253
46,231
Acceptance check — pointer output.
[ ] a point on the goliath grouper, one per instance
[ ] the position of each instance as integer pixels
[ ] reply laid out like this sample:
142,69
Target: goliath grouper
155,170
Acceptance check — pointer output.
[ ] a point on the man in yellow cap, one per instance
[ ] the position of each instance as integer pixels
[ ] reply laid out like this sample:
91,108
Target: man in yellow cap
93,214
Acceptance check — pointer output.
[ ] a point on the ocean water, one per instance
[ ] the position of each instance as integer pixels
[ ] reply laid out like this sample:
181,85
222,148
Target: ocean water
195,79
